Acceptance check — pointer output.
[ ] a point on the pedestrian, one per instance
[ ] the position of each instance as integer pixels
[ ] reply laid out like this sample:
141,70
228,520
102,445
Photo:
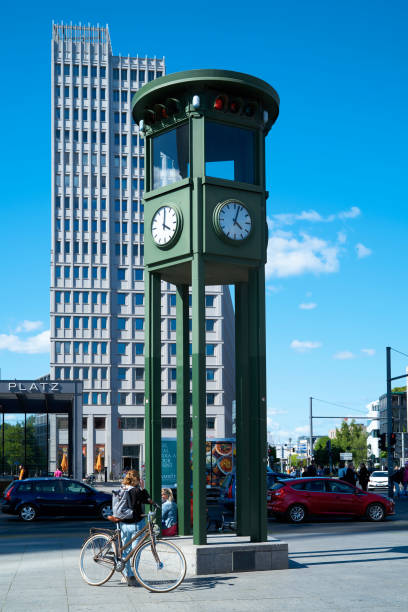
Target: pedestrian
129,527
320,471
22,472
350,475
169,513
396,479
326,471
363,476
58,473
342,470
405,478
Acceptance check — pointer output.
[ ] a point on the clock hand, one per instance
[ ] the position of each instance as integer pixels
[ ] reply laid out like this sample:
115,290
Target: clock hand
236,216
164,218
236,223
165,226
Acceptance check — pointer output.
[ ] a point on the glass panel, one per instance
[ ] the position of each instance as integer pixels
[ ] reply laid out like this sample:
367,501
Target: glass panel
58,443
36,444
229,152
170,157
131,457
14,455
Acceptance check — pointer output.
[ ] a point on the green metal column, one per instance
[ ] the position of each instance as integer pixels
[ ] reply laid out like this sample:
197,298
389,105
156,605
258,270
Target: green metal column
199,400
257,423
243,477
153,385
183,411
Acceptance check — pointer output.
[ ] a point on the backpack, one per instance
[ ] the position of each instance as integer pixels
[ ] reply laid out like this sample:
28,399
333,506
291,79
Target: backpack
121,505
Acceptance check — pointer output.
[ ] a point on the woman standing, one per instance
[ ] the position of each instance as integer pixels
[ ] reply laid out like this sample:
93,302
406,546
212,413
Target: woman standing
129,527
169,513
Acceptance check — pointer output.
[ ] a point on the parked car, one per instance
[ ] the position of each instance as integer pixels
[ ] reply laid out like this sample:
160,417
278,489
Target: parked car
298,498
378,480
54,497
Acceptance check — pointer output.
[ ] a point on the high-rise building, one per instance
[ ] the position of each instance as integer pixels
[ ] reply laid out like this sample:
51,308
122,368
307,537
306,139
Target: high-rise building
97,285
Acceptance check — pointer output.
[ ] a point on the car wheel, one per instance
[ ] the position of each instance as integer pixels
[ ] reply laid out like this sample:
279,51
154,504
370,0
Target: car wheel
375,512
27,513
105,510
297,513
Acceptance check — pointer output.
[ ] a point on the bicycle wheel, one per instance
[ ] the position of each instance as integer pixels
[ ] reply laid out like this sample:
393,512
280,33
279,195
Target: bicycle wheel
97,559
162,576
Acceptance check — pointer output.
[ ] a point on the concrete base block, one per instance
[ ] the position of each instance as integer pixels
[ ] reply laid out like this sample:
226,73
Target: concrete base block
228,553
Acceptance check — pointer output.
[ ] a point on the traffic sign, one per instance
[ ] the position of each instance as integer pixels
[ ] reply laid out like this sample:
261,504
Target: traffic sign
346,456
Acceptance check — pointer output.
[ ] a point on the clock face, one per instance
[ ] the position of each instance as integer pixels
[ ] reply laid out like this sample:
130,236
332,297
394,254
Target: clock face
234,220
165,226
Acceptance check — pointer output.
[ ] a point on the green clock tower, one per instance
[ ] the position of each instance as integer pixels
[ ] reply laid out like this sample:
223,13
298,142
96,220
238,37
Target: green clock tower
205,224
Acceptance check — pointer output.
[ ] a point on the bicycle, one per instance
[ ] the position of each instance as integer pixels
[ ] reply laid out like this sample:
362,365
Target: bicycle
158,565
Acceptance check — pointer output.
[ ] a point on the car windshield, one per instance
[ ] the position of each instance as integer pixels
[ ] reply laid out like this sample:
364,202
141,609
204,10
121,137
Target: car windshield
380,474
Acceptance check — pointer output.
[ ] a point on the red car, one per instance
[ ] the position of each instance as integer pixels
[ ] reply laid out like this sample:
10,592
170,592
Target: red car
295,499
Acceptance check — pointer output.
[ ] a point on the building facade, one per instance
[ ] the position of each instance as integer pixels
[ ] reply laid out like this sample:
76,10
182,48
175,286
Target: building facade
97,275
373,430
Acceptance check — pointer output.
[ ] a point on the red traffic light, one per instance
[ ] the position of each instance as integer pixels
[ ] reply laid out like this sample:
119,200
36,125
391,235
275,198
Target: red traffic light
220,103
235,106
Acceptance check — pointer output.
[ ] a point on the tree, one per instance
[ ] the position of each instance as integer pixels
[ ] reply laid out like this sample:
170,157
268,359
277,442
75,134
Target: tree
352,438
321,451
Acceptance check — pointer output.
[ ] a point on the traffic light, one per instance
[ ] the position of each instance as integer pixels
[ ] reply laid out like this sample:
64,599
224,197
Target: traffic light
382,444
393,440
235,105
162,112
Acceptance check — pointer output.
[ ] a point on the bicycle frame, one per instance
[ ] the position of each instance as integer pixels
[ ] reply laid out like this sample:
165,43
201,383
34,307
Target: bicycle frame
117,541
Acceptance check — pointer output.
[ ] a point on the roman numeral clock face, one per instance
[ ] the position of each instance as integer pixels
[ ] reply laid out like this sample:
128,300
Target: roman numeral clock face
165,226
233,221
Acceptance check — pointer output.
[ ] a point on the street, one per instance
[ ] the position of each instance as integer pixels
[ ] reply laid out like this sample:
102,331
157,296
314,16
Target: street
337,565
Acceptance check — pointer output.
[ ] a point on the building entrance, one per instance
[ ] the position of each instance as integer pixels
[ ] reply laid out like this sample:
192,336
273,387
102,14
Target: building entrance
40,428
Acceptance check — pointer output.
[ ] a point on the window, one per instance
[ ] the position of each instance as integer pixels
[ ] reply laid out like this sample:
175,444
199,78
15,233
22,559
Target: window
210,349
150,75
210,374
210,422
172,348
116,95
139,348
173,324
131,423
58,69
121,274
169,423
339,487
116,74
210,399
122,373
209,300
122,348
122,324
209,324
139,399
102,72
142,75
99,422
85,92
75,70
139,373
124,95
139,299
85,71
122,299
229,152
103,117
124,74
139,324
94,71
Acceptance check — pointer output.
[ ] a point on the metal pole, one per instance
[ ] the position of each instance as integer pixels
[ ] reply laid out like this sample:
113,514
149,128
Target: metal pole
389,424
311,429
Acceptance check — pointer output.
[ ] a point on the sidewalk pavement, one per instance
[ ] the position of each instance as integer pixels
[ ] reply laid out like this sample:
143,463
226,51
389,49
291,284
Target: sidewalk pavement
346,566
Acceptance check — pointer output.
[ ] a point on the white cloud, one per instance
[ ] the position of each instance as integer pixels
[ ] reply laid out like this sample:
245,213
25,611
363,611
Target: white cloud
308,306
362,251
341,237
273,289
273,411
27,326
368,351
291,256
350,214
302,429
303,346
313,217
30,345
344,355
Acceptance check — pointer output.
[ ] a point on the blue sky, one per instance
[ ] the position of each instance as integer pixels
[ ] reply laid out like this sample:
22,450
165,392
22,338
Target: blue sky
336,173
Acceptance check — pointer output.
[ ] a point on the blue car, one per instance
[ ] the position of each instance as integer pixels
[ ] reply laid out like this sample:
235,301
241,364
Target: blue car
54,497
